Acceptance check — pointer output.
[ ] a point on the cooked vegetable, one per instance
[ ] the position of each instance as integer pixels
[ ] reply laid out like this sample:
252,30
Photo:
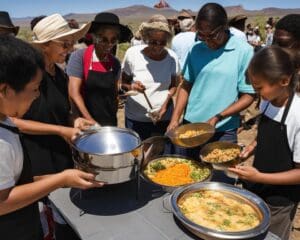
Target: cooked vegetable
222,155
191,133
176,171
215,210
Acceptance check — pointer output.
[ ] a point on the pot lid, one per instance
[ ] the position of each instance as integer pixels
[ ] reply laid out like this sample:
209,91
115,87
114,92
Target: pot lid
108,140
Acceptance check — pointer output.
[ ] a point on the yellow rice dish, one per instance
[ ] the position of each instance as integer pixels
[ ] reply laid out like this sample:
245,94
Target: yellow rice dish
191,133
222,155
176,172
214,210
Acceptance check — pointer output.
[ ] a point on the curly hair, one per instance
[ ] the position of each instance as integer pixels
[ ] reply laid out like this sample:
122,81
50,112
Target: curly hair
291,24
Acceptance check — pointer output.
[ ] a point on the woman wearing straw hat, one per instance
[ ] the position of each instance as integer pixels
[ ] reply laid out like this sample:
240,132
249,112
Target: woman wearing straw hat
151,69
94,71
48,117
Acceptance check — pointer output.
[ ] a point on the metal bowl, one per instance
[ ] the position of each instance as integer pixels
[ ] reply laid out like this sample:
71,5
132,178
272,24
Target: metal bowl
242,195
166,187
208,148
193,141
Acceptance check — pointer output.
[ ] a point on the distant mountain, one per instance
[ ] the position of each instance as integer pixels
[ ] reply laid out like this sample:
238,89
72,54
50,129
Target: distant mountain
141,12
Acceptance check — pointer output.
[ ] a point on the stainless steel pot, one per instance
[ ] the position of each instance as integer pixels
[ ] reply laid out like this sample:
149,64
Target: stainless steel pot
111,153
239,194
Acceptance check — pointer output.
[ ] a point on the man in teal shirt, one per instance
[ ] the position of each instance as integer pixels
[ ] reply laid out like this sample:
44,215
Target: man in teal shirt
214,89
217,77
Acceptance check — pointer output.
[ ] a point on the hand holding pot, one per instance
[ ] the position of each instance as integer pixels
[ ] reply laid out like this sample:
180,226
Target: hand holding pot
79,179
69,133
83,123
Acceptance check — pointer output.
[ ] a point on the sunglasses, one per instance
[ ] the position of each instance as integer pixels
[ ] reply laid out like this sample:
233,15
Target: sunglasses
157,43
105,41
182,18
213,35
64,44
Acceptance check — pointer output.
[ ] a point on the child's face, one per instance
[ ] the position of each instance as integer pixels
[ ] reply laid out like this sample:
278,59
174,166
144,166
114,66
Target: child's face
266,90
16,104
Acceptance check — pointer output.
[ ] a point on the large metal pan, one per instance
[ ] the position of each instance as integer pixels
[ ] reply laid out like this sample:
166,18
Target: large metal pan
257,233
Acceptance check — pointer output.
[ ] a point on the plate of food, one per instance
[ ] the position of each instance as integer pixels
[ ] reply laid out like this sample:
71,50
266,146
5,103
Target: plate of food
172,171
213,210
222,155
191,134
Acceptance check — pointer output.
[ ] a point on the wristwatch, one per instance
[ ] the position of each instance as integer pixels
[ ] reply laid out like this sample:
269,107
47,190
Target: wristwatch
219,117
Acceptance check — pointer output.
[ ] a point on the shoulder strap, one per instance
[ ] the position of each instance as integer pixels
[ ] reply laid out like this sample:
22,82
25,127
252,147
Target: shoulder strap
287,108
87,58
10,128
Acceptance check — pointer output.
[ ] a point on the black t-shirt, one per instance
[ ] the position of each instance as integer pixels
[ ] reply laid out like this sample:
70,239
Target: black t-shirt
50,153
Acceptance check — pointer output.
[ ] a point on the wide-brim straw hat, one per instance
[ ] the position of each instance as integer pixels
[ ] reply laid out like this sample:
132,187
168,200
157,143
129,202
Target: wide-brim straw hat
5,22
107,18
55,27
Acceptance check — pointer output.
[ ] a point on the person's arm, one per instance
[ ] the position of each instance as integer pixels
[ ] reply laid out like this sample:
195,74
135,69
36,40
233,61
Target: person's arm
172,91
242,103
281,178
39,128
128,85
75,94
17,197
181,101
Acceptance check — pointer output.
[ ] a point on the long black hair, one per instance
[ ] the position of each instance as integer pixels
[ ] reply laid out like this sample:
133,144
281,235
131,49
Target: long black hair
273,63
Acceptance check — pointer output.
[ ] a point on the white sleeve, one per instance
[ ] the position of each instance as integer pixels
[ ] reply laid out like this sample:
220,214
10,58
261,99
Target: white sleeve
296,153
7,163
127,64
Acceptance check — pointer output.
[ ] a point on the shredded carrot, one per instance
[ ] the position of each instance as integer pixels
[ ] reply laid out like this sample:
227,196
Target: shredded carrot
179,174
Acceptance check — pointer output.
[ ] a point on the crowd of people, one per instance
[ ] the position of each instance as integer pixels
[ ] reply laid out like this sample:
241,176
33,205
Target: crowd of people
203,68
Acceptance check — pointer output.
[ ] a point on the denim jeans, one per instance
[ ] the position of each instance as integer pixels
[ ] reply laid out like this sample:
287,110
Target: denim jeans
148,129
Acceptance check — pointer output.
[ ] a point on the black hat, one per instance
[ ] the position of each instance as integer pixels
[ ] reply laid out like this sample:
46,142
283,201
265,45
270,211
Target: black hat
111,19
5,22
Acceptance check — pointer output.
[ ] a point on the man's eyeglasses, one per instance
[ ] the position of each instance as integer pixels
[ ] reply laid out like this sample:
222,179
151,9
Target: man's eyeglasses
64,44
213,35
157,43
105,41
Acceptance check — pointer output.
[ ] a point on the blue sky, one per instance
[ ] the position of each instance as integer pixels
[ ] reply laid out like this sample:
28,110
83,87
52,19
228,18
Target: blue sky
24,8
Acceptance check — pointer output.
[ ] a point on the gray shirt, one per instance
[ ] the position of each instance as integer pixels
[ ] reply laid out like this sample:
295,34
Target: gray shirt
75,67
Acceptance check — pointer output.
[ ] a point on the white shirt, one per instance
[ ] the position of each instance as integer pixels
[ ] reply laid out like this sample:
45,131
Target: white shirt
181,44
292,123
11,157
155,75
238,33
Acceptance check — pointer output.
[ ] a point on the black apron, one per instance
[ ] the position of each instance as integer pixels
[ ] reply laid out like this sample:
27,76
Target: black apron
273,154
101,96
50,153
22,224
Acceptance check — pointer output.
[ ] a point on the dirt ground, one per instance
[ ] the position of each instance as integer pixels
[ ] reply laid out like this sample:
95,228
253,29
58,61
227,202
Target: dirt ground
244,137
